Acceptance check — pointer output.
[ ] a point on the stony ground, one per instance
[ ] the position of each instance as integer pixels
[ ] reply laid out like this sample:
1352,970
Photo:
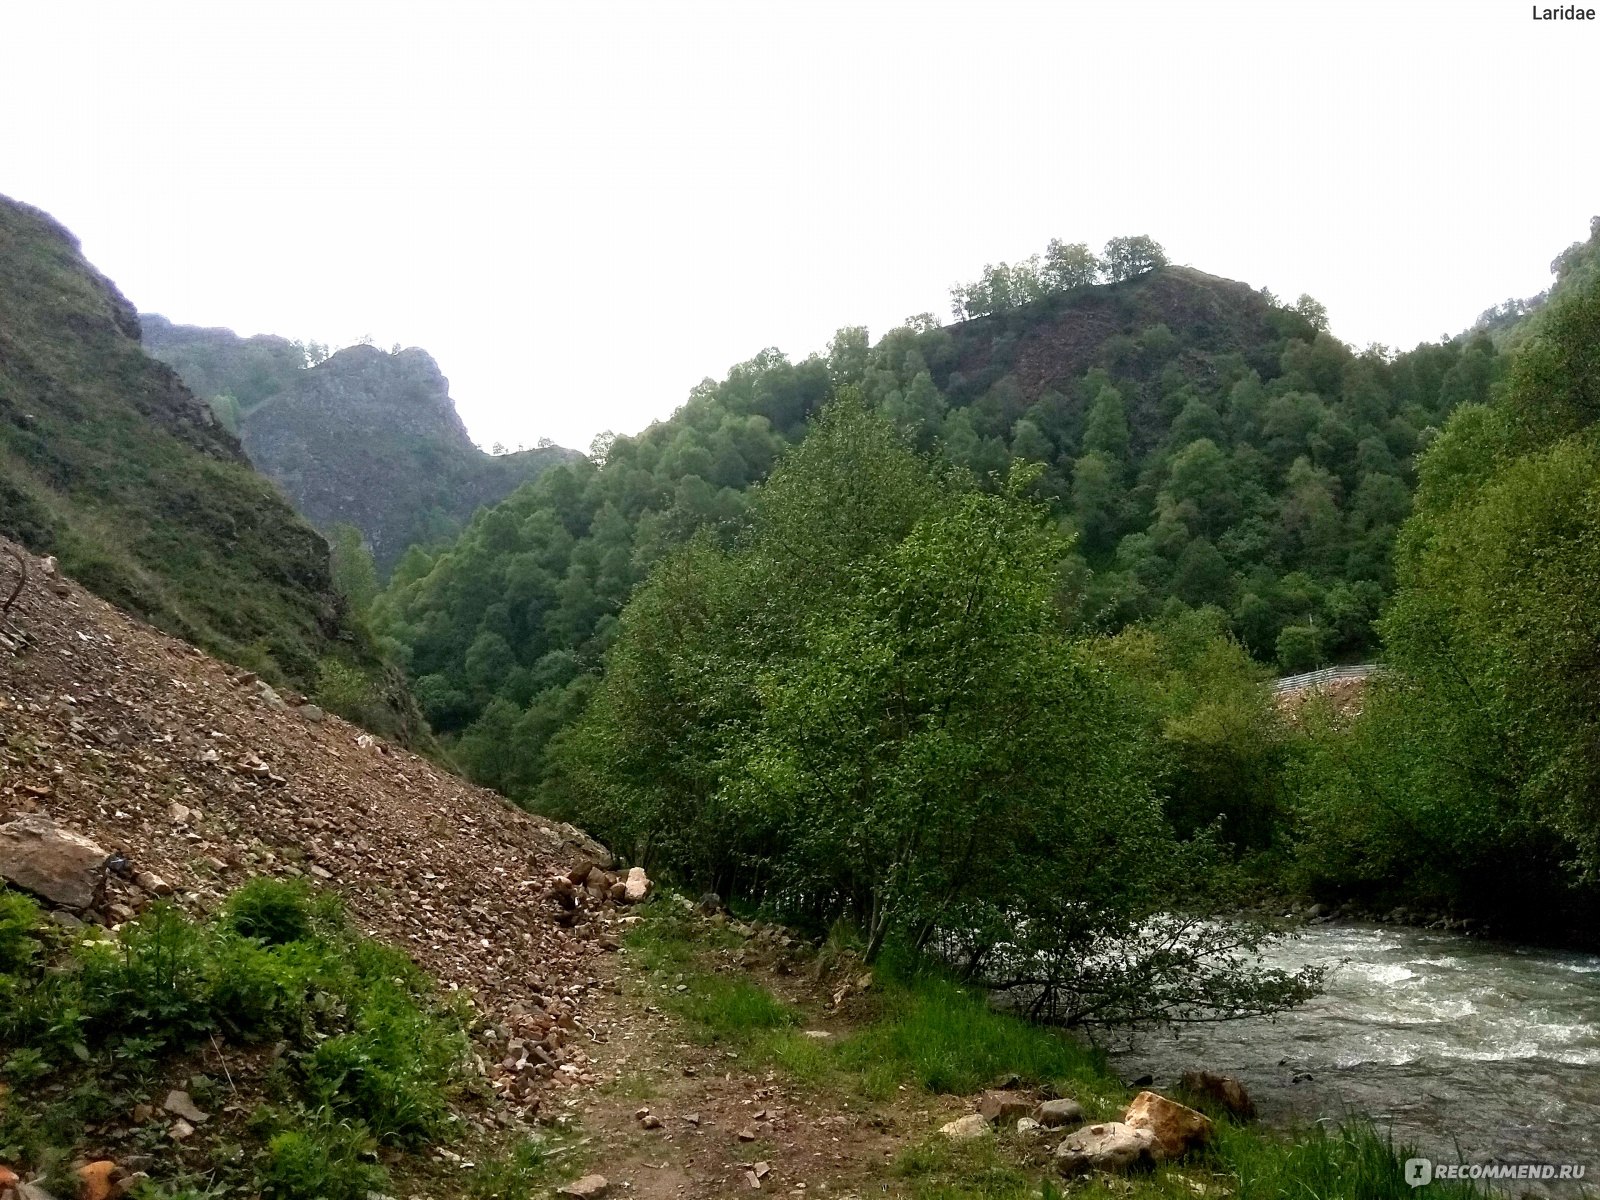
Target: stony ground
203,776
726,1123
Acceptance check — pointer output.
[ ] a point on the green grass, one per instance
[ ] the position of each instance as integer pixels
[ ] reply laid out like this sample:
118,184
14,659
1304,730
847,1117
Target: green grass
365,1057
520,1173
941,1037
930,1035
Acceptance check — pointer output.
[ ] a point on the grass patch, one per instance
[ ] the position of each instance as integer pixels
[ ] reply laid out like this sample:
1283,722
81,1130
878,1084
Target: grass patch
941,1037
363,1057
520,1173
932,1035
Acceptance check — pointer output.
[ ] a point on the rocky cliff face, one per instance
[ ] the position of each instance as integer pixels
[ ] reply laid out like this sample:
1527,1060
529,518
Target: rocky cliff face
366,438
110,463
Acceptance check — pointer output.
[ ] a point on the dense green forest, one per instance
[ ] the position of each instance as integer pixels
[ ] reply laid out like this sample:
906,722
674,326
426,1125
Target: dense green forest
868,710
1202,445
881,700
1470,778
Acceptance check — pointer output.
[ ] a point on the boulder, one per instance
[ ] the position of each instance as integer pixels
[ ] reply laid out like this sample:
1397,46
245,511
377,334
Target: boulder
1053,1114
637,885
8,1178
587,1188
998,1106
966,1129
1177,1128
1110,1146
41,857
1226,1092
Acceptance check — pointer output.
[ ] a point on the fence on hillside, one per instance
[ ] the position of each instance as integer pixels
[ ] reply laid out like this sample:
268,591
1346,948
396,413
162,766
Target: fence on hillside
1310,679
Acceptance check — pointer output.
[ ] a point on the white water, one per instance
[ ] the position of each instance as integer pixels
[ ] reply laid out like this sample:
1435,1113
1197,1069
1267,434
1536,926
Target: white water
1450,1043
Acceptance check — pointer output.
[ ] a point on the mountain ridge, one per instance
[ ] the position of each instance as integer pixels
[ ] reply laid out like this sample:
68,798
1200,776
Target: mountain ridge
110,463
362,437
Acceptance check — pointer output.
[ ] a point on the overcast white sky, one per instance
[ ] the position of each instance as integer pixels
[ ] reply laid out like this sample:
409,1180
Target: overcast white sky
583,209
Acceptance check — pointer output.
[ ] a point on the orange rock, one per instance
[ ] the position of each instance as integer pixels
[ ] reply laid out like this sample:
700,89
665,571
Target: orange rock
97,1180
1177,1127
8,1178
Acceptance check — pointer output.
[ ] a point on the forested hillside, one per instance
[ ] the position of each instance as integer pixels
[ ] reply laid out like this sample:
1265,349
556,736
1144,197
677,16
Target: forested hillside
109,463
1206,444
1470,778
359,437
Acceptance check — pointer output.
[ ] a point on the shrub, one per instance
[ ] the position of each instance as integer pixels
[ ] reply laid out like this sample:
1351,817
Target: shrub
373,1058
323,1160
19,924
270,911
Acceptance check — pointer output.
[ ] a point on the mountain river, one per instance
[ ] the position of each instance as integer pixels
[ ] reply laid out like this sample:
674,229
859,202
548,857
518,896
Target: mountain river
1486,1050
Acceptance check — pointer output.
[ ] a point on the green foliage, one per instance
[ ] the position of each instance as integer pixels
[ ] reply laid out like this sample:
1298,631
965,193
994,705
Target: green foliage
518,1174
1470,778
19,930
1204,445
324,1160
270,911
869,710
1221,747
355,577
1127,257
352,693
370,1057
933,1032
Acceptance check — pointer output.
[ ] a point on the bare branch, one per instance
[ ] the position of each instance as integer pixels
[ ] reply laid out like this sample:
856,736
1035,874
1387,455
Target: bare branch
22,580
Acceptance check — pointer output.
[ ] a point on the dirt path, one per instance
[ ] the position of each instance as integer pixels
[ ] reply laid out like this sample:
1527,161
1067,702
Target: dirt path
728,1124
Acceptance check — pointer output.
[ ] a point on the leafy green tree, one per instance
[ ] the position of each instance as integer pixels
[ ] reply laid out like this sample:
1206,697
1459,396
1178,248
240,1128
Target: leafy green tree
1029,444
1299,648
1070,266
848,355
1199,489
1315,313
355,577
869,710
1097,498
1127,257
1106,429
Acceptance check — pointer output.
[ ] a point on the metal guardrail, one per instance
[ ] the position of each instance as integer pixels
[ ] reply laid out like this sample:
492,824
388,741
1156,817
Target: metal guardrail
1298,683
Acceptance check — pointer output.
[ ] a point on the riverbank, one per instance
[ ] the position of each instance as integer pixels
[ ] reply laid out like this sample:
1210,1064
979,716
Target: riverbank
842,1078
1467,1047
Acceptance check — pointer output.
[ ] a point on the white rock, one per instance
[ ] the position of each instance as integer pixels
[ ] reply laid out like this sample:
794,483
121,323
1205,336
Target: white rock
1111,1146
967,1128
637,886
